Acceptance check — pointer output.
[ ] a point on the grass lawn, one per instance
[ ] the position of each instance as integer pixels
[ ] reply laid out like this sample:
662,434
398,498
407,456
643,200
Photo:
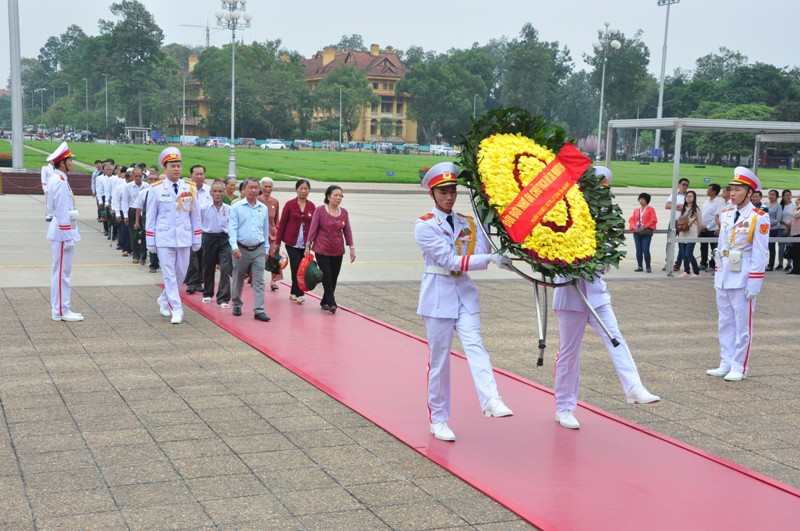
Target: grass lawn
330,166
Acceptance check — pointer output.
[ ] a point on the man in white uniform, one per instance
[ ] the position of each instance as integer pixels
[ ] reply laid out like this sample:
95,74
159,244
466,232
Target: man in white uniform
172,229
573,316
741,261
448,300
63,233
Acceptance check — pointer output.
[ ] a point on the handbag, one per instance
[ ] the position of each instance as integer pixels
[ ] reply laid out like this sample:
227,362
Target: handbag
308,274
647,231
682,223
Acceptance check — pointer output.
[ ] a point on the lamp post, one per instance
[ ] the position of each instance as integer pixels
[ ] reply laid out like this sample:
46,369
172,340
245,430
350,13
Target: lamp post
41,92
106,130
229,19
474,105
605,35
183,112
340,116
86,108
663,69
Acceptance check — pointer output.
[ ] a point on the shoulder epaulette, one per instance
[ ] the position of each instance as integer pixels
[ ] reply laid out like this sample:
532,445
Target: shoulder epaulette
728,209
427,216
156,183
464,215
190,183
759,212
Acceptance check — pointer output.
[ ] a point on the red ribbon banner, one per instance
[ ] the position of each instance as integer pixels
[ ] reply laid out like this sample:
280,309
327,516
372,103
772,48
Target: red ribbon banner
537,199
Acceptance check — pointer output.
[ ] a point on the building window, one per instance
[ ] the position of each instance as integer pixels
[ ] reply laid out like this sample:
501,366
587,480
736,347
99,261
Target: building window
399,107
373,128
386,86
386,105
375,85
391,86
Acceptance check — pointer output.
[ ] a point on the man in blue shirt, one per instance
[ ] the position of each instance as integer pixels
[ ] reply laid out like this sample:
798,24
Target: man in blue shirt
248,229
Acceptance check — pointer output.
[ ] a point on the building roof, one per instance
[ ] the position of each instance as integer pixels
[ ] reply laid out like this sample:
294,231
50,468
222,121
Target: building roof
374,63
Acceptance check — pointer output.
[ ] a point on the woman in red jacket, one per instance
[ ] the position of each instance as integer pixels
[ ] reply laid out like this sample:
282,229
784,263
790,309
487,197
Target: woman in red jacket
642,223
292,231
328,227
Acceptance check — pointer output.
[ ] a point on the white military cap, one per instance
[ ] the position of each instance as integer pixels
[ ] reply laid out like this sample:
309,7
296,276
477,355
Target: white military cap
605,173
168,155
742,175
62,152
442,174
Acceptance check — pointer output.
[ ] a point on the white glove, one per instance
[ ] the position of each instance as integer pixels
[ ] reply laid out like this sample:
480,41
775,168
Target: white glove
196,248
69,244
750,295
503,262
73,215
152,250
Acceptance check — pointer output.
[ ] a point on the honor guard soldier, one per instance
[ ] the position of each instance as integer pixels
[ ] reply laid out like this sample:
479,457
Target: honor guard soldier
741,258
63,233
573,316
448,299
172,229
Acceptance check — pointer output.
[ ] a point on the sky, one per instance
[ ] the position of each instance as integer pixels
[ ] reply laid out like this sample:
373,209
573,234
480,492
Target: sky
763,32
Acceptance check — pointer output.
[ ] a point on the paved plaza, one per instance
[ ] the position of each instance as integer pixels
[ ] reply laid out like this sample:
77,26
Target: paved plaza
127,422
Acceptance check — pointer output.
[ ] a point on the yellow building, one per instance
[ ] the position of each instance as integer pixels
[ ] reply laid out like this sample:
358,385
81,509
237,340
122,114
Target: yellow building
386,121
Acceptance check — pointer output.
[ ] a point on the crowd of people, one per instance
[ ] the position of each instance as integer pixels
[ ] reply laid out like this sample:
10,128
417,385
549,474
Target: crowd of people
694,220
195,232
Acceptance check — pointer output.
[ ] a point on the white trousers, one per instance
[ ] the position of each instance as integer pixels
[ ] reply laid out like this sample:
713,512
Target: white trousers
174,262
571,327
60,289
440,338
735,328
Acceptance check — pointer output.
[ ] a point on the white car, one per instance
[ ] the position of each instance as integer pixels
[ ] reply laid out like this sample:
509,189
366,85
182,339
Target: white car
273,144
218,143
444,151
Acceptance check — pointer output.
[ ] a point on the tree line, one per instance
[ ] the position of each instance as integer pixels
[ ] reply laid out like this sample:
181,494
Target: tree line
66,84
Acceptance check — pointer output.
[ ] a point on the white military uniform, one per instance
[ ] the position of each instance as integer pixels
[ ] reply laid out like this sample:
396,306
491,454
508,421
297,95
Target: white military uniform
448,301
172,227
749,235
63,232
573,315
47,172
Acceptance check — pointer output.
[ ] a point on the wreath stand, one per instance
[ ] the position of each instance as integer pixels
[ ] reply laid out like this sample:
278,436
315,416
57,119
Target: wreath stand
540,301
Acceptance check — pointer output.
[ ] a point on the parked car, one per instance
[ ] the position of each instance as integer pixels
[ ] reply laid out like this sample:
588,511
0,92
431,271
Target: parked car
297,144
444,151
217,142
273,144
246,142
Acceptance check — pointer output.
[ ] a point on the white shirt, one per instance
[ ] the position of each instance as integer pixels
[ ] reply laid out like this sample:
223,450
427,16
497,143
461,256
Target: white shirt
710,210
215,221
130,193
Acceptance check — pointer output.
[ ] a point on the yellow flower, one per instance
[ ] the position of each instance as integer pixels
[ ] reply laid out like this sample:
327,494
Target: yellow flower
509,162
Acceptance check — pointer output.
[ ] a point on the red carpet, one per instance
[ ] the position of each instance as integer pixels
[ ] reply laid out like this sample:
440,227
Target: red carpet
610,474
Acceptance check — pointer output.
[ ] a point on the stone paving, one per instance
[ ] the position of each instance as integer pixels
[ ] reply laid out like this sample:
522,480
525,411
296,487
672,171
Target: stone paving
127,422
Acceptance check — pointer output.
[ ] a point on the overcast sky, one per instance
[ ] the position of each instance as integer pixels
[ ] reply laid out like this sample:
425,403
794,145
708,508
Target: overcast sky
763,31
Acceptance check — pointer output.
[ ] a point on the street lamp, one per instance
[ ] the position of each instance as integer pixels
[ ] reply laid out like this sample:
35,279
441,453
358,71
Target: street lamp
663,69
229,19
474,105
41,92
106,131
183,112
86,109
605,41
340,116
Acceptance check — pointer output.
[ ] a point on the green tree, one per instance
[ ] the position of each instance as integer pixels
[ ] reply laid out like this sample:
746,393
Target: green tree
717,145
577,108
717,67
350,42
356,94
760,83
534,72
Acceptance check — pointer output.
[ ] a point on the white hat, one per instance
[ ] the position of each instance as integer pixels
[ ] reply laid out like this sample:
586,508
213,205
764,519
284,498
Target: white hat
743,176
442,174
168,155
605,173
62,152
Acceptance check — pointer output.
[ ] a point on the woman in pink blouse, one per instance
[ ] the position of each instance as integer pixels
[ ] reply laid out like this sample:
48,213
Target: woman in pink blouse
328,227
272,204
642,224
293,231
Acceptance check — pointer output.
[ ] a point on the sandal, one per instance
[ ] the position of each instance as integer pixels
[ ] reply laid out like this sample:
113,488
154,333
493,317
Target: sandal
224,305
273,287
300,299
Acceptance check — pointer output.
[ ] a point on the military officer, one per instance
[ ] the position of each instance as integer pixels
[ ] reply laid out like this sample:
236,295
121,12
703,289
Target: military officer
63,233
741,260
172,229
448,299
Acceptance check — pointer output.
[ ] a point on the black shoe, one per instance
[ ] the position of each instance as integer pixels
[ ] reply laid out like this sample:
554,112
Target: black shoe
48,219
779,268
333,308
190,290
769,268
261,316
638,270
325,306
237,311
